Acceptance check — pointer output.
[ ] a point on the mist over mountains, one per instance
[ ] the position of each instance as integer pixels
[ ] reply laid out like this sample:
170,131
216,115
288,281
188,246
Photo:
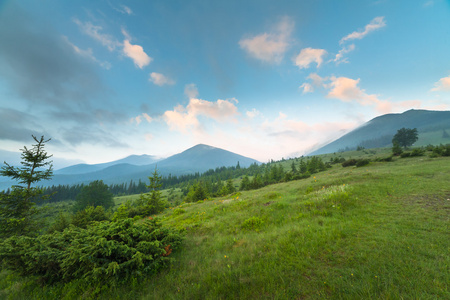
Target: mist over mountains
378,132
199,158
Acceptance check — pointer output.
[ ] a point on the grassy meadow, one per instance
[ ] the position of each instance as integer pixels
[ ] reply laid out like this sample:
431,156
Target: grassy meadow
375,232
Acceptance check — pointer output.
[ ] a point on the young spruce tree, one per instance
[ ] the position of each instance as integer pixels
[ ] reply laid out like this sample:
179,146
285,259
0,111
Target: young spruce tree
17,208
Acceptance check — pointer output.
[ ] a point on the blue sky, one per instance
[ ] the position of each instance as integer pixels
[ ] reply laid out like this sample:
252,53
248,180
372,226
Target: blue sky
265,79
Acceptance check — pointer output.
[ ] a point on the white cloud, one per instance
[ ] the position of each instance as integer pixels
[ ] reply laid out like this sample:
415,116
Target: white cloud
270,47
253,113
375,24
94,32
340,56
191,90
308,56
88,54
126,9
307,88
317,82
136,53
126,34
182,118
442,85
143,116
160,79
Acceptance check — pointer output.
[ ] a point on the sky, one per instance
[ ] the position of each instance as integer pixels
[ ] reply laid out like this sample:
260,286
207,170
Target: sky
264,79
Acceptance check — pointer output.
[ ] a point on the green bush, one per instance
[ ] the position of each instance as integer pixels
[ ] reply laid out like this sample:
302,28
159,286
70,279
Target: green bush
349,162
362,162
405,154
253,223
418,152
103,253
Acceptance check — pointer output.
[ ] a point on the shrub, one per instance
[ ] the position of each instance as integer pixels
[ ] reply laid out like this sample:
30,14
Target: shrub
405,154
418,152
385,159
100,254
349,162
362,162
253,223
178,211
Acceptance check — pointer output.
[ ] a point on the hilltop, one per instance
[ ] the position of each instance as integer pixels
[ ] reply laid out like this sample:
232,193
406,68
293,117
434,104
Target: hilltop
379,131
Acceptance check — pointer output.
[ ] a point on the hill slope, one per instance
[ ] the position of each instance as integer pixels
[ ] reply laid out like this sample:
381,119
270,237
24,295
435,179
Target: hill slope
379,131
375,232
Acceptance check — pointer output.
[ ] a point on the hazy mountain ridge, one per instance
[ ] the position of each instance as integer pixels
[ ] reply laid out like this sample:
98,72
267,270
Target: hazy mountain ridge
199,158
138,160
379,131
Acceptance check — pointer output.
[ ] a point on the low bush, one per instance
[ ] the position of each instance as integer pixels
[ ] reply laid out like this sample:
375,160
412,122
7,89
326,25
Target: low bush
349,162
418,152
362,162
102,253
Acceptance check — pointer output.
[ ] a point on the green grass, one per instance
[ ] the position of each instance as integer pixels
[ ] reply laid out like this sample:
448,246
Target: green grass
376,232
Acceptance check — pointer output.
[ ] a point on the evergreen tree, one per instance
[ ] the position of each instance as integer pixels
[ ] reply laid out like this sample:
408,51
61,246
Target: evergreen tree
245,183
293,168
230,186
152,202
17,208
95,194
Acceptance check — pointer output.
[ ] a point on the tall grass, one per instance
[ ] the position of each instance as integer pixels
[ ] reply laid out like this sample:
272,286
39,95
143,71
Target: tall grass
376,232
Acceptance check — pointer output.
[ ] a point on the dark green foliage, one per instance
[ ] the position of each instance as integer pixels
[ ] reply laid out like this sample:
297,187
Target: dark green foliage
101,254
17,212
405,137
95,194
199,192
396,149
88,215
245,183
405,154
362,162
349,162
417,152
152,202
33,160
385,159
230,187
356,162
17,208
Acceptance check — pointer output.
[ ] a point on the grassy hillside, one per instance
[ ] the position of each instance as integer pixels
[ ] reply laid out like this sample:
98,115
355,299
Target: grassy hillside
379,131
379,231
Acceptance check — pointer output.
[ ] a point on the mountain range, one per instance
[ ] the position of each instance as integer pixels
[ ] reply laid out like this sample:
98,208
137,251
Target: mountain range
433,128
378,132
199,158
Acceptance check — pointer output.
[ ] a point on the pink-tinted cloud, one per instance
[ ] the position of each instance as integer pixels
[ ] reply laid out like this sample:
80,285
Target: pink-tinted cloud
347,90
270,47
308,56
442,85
182,118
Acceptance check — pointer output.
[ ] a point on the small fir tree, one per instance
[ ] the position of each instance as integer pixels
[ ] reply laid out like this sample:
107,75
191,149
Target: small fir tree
17,208
152,202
